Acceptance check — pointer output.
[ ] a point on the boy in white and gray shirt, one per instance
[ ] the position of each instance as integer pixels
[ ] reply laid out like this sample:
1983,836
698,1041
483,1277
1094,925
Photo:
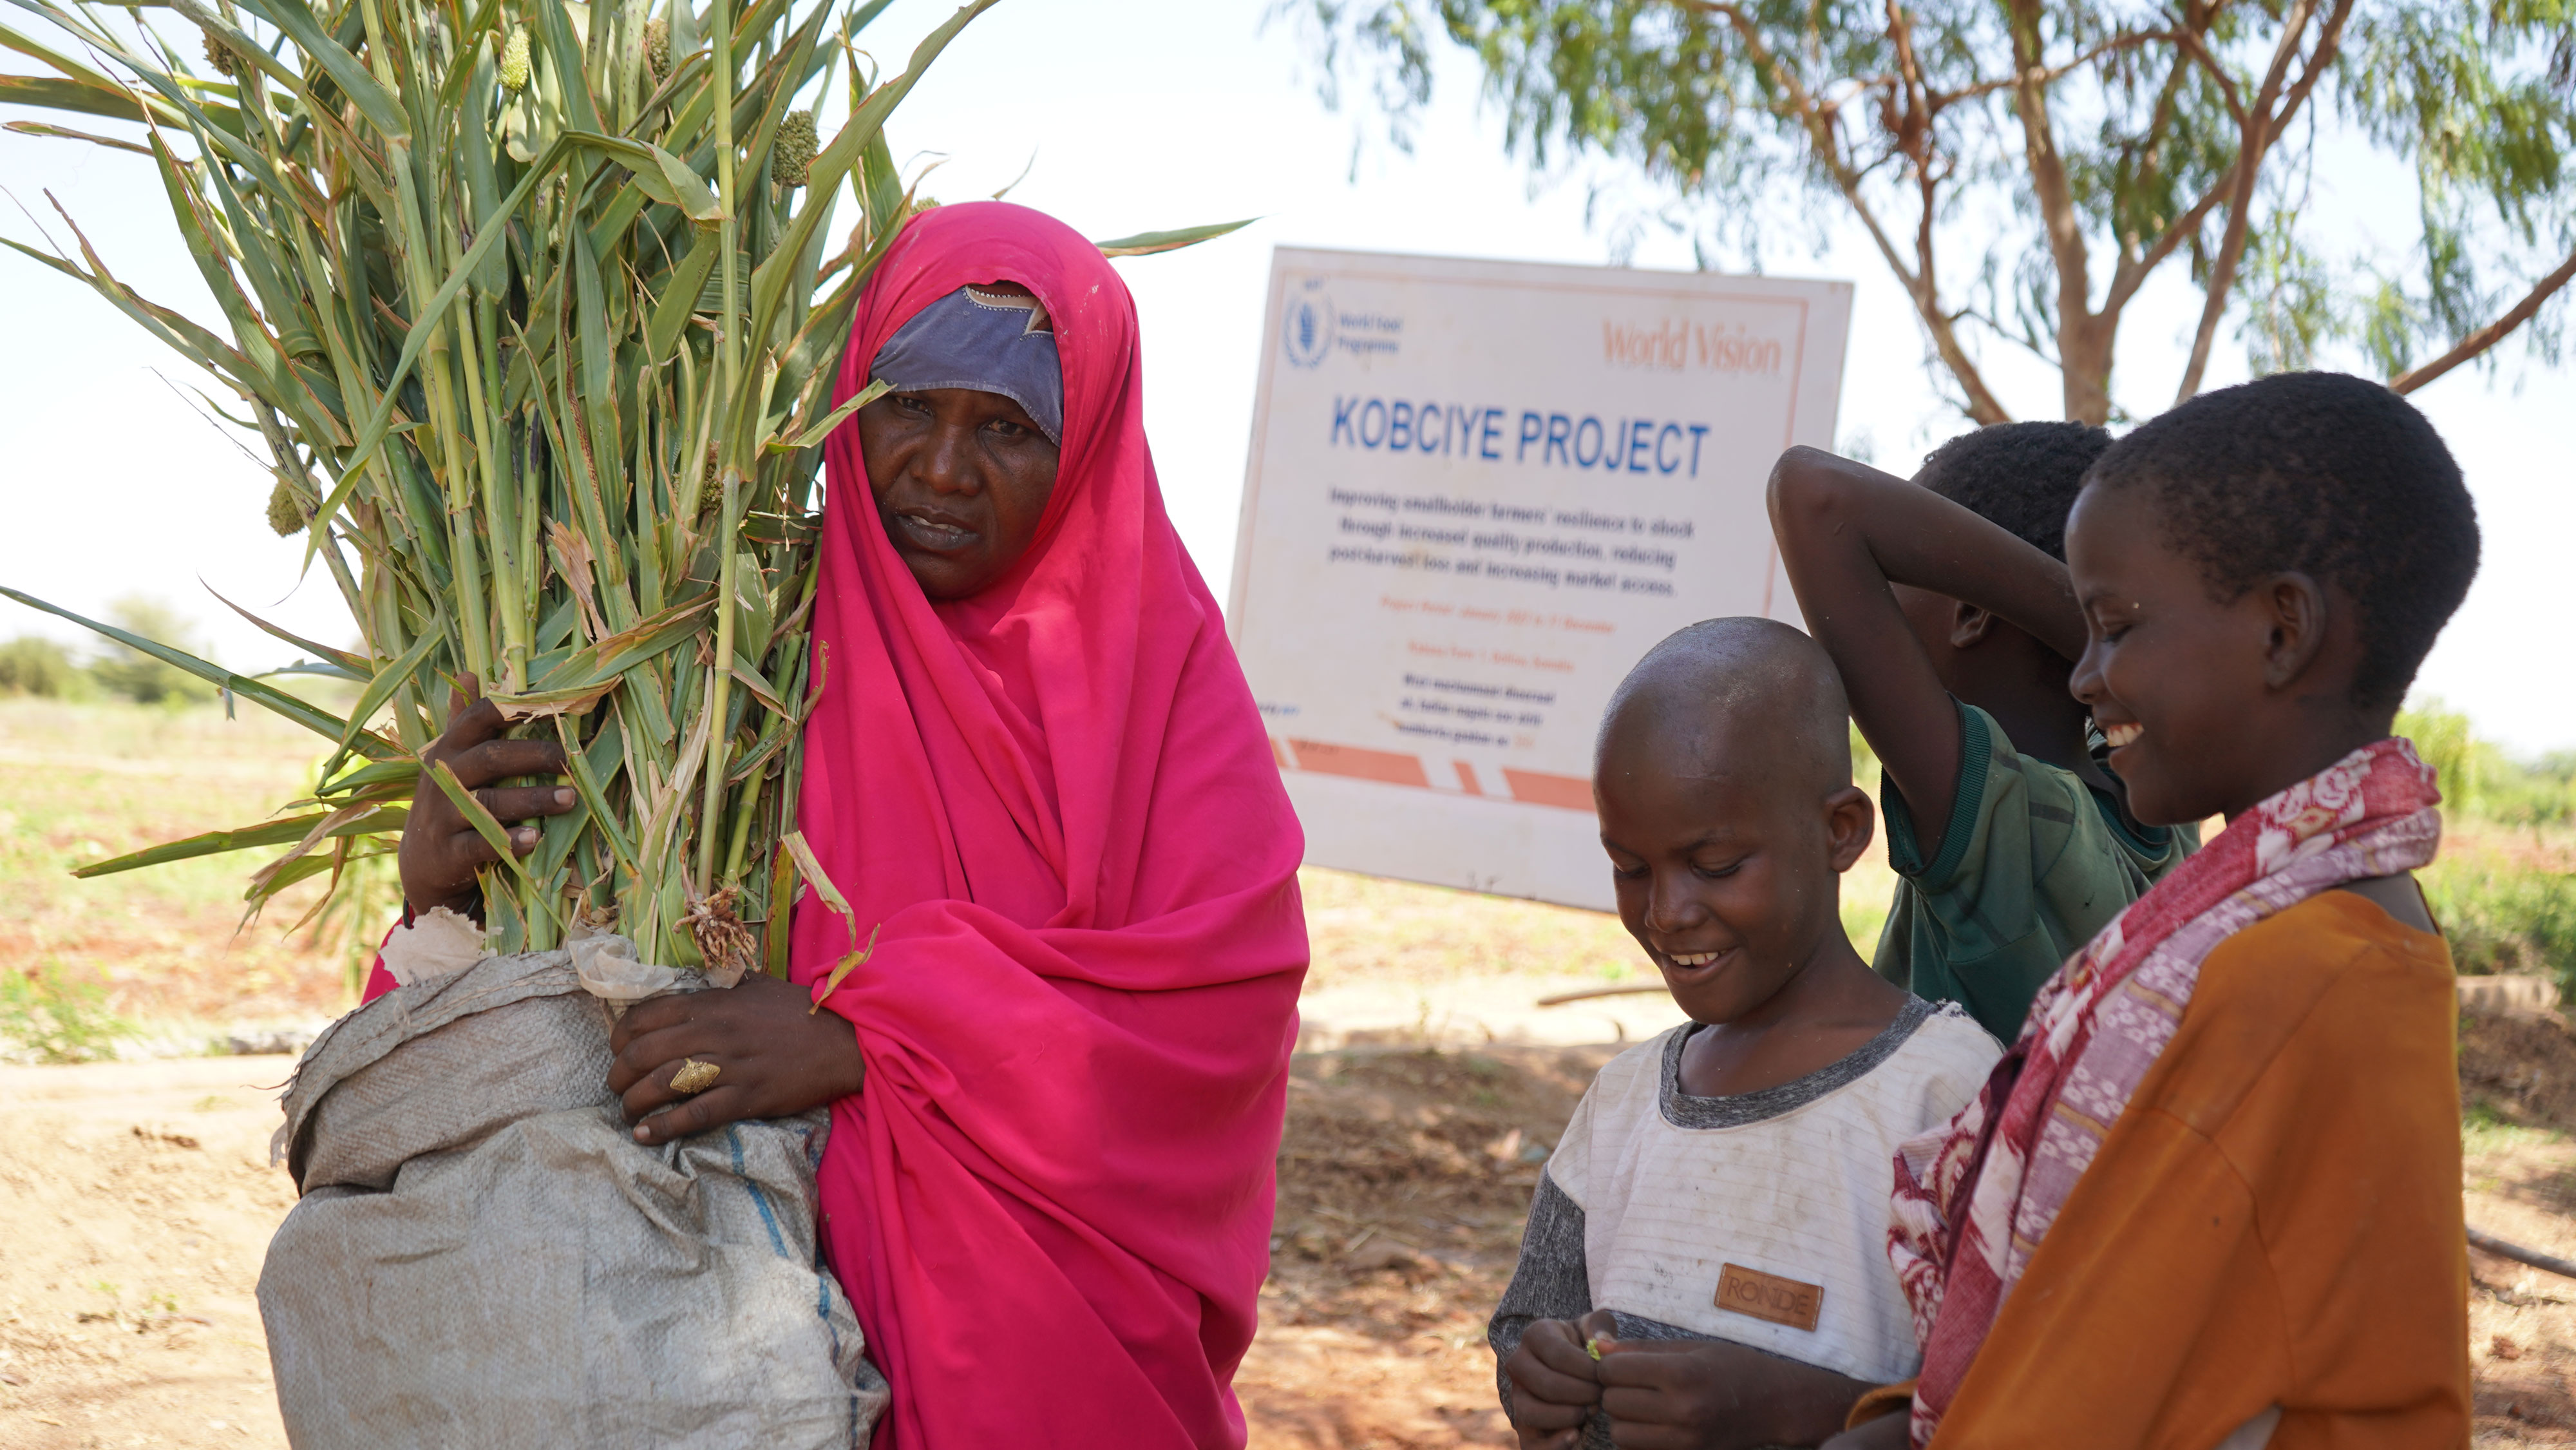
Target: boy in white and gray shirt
1707,1249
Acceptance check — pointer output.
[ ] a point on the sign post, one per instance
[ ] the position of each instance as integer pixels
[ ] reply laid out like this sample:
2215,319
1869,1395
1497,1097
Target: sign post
1478,493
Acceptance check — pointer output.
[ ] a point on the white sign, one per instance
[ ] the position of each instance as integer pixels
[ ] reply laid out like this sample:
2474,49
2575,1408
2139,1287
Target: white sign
1478,493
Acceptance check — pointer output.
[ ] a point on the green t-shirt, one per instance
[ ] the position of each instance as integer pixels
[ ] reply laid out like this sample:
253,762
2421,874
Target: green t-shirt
2033,863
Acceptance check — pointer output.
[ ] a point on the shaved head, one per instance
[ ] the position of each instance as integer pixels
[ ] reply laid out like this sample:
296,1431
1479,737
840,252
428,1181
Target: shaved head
1733,694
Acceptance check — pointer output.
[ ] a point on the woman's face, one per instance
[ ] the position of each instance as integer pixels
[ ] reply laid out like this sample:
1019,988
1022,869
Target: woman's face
961,479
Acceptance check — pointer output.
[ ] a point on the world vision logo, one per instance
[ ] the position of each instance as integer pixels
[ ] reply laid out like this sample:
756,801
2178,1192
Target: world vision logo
1306,325
1676,345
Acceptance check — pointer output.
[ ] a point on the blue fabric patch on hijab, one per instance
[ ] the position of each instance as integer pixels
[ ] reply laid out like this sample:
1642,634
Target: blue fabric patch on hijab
989,341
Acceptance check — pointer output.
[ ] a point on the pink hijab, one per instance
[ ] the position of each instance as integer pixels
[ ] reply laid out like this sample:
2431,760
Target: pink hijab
1051,1203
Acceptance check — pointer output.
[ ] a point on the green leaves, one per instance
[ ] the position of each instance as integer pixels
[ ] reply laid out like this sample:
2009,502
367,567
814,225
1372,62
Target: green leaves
1147,243
284,831
823,426
485,333
658,173
2025,171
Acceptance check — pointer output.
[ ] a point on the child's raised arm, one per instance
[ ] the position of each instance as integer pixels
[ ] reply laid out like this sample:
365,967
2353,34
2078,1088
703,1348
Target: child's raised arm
1846,532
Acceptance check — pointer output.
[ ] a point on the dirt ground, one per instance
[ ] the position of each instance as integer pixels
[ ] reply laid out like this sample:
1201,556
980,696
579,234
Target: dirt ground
2518,1081
136,1203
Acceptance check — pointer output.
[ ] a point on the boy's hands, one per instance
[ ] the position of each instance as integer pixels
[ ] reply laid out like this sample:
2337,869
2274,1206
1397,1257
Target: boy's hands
1694,1394
1554,1386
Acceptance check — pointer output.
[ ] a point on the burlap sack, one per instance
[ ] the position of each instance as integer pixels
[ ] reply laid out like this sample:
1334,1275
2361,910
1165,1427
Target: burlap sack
484,1255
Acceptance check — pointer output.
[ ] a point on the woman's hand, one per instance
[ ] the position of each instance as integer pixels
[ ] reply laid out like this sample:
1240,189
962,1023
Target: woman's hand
440,849
773,1057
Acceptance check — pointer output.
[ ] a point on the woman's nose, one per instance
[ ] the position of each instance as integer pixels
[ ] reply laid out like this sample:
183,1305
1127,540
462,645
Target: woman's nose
947,460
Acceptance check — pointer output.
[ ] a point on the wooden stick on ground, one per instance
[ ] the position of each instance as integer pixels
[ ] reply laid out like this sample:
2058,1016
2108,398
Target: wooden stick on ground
2502,1249
1561,998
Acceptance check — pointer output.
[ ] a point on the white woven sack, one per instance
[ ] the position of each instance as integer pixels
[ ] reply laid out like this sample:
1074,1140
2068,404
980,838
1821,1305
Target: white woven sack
485,1257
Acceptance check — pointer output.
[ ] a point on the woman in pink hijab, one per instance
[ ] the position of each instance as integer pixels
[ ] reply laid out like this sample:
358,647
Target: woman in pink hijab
1058,1081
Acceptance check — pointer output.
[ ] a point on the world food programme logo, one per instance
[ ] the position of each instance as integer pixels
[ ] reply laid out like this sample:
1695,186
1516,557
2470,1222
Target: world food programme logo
1306,326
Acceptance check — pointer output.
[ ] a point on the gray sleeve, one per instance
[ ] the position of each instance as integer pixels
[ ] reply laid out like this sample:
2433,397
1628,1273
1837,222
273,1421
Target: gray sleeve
1551,1281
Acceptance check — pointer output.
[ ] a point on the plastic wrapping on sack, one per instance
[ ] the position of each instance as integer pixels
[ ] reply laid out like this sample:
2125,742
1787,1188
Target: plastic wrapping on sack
484,1255
608,970
430,950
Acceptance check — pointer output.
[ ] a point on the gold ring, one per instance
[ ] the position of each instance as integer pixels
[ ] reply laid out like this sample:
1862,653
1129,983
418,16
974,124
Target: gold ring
694,1076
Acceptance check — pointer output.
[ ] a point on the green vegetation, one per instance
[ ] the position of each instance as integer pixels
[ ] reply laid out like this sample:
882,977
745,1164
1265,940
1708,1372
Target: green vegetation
47,1017
2481,782
139,677
2503,912
34,665
536,310
538,335
2504,889
2483,1131
174,950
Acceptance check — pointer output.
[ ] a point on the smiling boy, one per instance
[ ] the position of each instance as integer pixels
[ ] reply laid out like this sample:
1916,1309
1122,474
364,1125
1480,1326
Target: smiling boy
1714,1213
2213,1199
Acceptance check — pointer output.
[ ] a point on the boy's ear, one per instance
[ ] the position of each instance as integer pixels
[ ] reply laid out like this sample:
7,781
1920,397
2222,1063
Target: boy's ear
2296,606
1970,626
1850,822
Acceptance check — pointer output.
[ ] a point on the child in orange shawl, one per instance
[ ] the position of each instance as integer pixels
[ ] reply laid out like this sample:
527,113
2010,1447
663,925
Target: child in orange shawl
2211,1196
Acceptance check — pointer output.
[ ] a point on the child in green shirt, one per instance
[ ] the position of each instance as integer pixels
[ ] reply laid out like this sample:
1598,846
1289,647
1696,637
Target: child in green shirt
1944,603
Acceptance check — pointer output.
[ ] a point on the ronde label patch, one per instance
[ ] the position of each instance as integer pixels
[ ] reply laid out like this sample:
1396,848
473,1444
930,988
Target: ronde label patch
1769,1296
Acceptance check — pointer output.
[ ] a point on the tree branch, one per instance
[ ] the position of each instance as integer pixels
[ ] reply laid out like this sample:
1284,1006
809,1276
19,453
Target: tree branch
2133,271
2123,41
2151,153
2489,335
2190,41
1805,110
2262,129
2085,362
2130,277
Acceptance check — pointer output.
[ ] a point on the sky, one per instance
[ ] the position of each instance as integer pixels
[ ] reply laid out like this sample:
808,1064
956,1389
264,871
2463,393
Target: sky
1125,117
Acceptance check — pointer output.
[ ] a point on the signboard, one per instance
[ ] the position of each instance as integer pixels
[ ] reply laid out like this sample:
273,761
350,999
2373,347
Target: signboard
1478,493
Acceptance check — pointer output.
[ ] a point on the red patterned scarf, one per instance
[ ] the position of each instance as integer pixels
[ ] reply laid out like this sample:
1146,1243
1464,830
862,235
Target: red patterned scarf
1974,1197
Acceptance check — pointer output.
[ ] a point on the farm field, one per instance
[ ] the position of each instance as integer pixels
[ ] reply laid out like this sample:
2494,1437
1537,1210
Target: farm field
137,1198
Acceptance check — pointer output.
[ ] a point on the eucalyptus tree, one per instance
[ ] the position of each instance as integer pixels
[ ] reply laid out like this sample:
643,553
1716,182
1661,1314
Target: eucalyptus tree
2025,170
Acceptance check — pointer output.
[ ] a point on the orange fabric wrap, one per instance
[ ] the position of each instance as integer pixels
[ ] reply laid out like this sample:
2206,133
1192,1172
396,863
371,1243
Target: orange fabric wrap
2275,1219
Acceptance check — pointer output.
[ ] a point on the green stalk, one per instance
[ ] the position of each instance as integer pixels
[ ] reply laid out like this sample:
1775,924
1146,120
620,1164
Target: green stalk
728,460
386,198
391,644
499,507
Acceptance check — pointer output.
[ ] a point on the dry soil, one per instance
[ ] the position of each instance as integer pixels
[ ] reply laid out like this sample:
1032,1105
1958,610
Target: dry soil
136,1201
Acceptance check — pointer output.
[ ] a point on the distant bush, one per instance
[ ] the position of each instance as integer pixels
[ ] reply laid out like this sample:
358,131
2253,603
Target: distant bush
2479,780
34,665
48,1017
2504,909
138,676
2503,915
